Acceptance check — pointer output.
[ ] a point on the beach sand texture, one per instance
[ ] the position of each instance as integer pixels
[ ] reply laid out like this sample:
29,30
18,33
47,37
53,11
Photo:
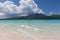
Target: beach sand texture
27,34
15,35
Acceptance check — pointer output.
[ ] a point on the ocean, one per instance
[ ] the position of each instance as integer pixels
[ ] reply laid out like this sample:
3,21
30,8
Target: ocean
30,21
39,24
38,29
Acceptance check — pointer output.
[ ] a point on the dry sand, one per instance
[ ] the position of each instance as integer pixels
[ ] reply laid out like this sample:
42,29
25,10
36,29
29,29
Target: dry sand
7,34
27,34
16,35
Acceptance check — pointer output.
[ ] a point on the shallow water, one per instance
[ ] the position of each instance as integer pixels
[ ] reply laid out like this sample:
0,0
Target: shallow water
42,29
33,24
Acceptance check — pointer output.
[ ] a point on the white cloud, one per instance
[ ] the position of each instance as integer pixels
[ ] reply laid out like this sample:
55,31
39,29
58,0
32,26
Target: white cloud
8,7
29,6
2,14
26,7
50,13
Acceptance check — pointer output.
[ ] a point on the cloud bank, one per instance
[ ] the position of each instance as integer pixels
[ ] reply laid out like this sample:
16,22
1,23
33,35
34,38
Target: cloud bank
26,7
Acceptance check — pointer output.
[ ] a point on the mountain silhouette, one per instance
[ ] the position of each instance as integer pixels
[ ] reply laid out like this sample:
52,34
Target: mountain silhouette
35,16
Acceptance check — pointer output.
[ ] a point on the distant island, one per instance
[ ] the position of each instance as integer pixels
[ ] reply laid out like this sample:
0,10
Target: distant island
35,16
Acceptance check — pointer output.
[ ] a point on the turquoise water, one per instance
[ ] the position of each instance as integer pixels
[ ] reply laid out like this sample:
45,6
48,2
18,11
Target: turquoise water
39,24
31,21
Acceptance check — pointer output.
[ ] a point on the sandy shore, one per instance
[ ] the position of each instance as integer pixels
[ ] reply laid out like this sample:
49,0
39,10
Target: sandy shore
24,35
8,32
16,35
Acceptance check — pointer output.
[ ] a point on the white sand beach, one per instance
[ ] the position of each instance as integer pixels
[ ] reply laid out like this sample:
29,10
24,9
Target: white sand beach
27,34
16,35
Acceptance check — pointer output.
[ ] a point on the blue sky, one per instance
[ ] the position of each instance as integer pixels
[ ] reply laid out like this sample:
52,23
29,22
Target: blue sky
46,5
49,5
26,7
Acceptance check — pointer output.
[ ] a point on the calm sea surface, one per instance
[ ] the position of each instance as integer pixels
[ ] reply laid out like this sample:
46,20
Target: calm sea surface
31,21
35,24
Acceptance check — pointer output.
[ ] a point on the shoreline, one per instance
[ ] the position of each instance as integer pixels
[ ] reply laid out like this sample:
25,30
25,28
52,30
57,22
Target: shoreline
16,35
12,32
19,34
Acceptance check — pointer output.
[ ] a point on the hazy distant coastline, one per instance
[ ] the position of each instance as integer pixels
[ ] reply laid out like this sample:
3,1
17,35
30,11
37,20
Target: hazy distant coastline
35,16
